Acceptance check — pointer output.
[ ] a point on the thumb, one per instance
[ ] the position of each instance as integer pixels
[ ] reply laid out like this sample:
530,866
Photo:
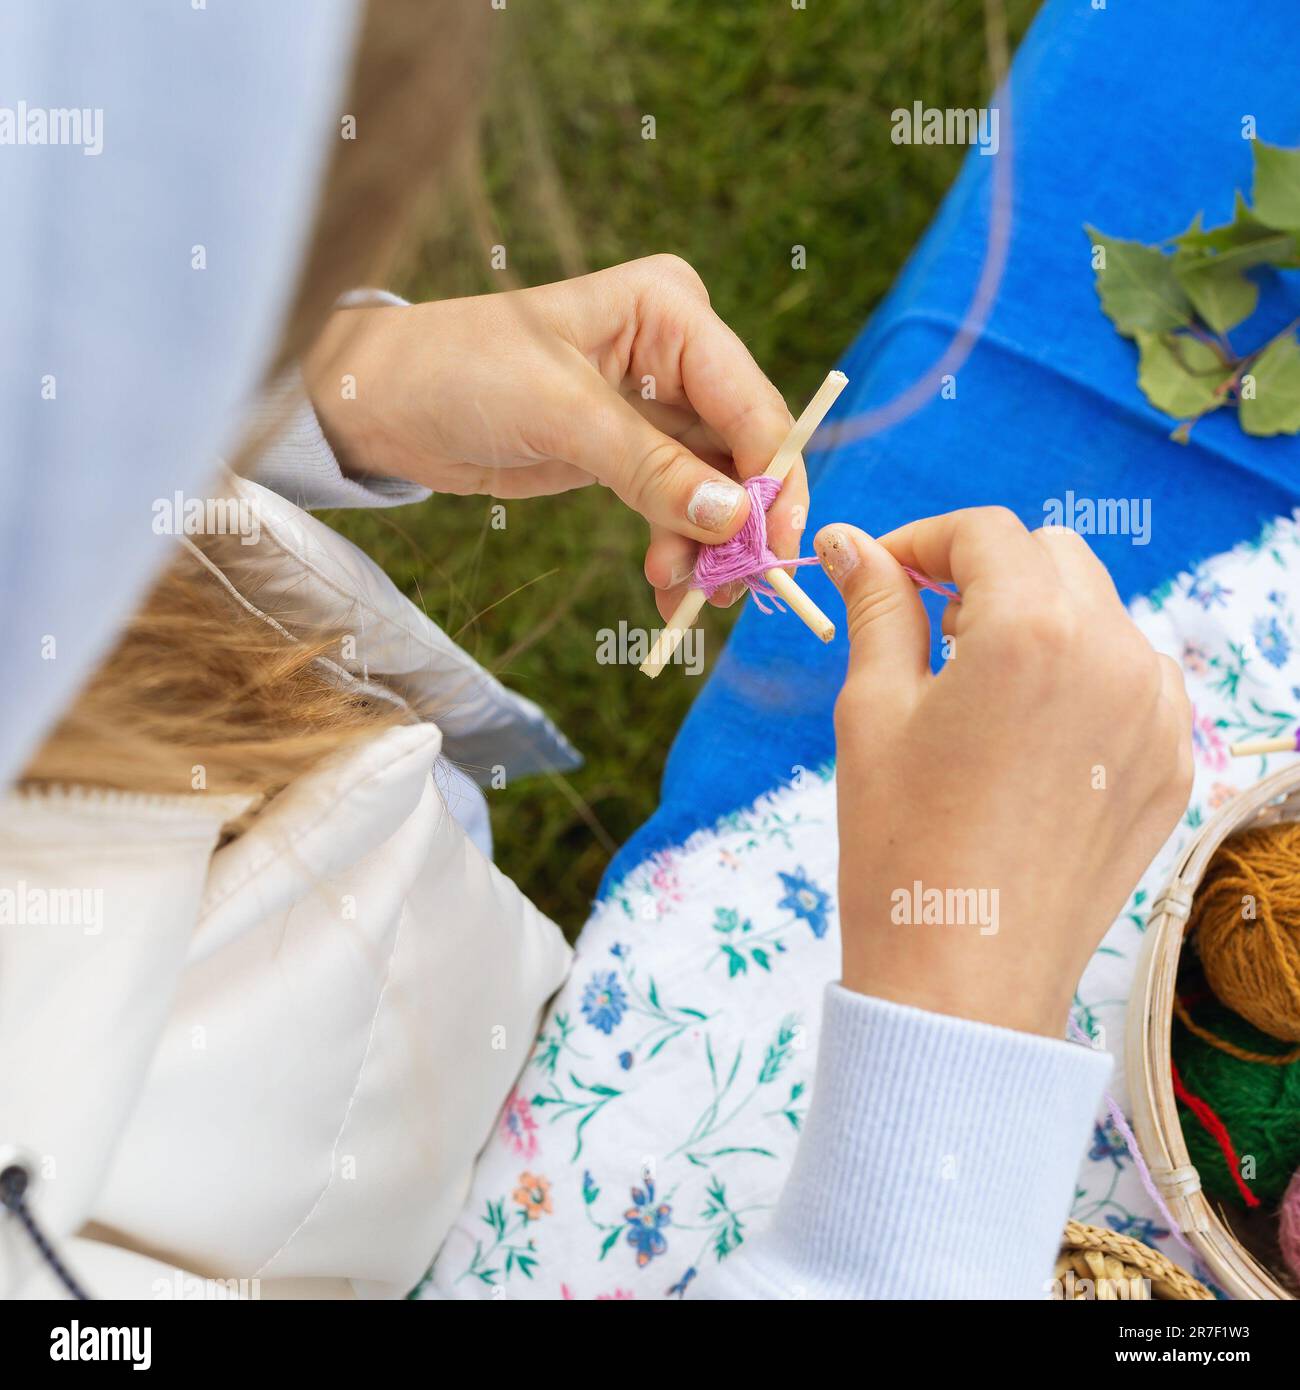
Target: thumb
655,474
888,629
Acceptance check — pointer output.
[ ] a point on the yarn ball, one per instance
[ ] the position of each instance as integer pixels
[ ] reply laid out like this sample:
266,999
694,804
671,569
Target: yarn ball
1245,924
1258,1104
1289,1225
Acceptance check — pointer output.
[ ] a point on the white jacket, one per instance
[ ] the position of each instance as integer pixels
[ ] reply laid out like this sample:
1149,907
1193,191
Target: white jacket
277,1061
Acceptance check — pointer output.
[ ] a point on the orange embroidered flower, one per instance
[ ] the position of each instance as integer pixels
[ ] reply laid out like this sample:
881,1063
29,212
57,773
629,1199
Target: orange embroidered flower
534,1195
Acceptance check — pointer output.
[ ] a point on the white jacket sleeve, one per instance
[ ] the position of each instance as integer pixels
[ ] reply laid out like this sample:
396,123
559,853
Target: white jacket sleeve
938,1161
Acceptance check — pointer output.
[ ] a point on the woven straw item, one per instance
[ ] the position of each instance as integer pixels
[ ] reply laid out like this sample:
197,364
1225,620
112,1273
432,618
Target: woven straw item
1108,1266
1147,1046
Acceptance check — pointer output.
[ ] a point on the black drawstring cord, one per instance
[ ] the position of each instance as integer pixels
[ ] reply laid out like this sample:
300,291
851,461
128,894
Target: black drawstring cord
13,1195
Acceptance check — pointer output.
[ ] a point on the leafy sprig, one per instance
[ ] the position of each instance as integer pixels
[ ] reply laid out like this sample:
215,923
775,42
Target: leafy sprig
1179,299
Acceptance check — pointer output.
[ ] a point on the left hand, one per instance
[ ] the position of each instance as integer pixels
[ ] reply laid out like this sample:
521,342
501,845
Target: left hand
540,390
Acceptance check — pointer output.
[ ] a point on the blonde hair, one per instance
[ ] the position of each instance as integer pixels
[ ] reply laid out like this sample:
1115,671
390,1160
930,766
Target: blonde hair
198,682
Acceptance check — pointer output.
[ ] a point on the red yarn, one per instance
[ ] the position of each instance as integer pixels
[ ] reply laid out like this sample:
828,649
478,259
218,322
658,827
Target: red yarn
1217,1131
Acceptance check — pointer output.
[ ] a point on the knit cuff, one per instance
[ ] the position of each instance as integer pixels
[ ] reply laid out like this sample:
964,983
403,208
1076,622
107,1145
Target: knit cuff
939,1158
298,463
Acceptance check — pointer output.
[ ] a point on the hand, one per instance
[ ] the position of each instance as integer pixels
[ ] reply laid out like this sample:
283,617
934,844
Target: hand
1046,763
541,390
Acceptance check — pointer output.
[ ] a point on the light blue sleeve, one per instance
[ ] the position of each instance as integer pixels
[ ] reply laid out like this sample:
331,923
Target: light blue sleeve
297,460
938,1161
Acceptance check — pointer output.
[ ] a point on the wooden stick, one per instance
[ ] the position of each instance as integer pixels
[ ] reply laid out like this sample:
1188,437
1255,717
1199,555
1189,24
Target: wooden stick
800,603
1288,743
783,461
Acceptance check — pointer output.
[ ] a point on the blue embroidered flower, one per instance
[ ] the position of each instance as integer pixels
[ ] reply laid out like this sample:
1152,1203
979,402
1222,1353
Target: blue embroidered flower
644,1224
1108,1143
806,900
1136,1226
625,1060
603,1001
1207,594
1271,641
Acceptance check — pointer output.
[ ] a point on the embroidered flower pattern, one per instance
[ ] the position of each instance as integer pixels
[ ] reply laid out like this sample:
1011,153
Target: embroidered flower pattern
533,1196
808,902
603,1002
518,1126
645,1222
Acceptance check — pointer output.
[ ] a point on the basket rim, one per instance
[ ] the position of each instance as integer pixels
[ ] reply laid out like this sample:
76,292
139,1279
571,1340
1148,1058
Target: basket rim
1148,1041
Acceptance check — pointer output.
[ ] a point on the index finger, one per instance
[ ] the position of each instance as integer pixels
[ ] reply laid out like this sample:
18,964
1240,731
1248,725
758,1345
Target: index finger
982,550
698,360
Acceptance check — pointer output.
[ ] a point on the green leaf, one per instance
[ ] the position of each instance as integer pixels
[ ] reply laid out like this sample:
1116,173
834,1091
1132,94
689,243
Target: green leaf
1208,263
735,962
1270,393
608,1243
1180,374
1245,241
760,957
1277,186
1138,289
1219,292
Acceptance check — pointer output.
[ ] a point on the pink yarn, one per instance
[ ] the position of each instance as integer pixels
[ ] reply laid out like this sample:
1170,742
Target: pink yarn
1288,1216
746,557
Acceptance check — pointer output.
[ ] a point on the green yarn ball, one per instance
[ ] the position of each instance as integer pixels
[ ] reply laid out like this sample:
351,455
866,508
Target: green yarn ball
1258,1104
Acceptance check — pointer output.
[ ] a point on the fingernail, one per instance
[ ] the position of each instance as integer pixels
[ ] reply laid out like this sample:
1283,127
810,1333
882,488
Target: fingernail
714,503
838,554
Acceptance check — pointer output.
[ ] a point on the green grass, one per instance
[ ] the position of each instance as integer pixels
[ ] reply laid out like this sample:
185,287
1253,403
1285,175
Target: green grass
772,130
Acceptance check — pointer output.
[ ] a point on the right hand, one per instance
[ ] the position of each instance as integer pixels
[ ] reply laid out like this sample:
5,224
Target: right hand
1048,760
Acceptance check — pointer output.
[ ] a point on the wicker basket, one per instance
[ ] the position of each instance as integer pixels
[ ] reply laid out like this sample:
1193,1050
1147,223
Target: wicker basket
1150,1013
1107,1265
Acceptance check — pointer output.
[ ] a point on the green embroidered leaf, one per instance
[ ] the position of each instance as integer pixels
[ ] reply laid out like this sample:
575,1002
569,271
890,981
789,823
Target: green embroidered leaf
760,957
1219,292
1270,392
1137,286
725,919
1277,186
1180,374
735,962
597,1089
610,1241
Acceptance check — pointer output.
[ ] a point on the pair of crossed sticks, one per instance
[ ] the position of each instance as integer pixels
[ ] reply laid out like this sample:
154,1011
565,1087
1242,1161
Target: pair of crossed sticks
783,461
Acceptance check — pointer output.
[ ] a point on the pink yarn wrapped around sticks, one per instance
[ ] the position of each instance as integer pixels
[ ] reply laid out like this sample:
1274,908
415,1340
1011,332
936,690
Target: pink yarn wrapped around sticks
746,557
1288,1215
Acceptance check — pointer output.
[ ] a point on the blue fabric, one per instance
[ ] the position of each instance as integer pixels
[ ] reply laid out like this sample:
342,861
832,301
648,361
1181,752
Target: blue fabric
1128,118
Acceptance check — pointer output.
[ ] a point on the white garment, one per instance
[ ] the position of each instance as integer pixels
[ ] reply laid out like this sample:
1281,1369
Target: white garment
277,1061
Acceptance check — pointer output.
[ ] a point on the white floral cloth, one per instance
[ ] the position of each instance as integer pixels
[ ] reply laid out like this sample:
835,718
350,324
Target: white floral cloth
653,1127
